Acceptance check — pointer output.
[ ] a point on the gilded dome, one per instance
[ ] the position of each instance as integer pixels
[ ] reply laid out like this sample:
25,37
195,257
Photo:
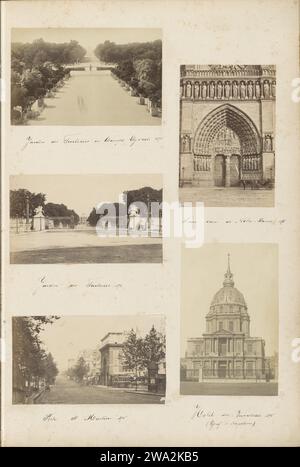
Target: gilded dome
228,295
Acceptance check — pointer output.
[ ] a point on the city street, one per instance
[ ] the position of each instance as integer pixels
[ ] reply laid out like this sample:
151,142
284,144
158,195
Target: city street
227,197
69,392
93,98
229,389
74,246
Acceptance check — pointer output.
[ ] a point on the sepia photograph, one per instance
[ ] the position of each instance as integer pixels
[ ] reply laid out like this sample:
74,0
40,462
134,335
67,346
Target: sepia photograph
73,76
111,218
229,320
227,135
89,359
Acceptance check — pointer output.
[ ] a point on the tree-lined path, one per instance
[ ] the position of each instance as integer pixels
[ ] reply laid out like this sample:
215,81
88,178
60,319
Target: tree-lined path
93,98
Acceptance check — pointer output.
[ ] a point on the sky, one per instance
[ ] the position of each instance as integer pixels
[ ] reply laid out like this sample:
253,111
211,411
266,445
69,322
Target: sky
83,192
69,335
88,38
255,273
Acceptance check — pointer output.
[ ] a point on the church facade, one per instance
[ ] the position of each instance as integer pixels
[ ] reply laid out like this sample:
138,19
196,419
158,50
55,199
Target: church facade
227,125
226,350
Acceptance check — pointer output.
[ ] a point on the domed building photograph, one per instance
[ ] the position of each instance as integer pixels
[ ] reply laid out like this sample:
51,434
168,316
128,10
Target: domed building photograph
227,135
229,320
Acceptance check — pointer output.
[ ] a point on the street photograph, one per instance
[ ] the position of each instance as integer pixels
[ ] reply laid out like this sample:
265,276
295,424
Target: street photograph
89,359
73,76
229,341
86,219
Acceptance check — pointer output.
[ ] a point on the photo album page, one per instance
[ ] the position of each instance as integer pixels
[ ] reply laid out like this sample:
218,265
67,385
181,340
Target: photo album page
150,223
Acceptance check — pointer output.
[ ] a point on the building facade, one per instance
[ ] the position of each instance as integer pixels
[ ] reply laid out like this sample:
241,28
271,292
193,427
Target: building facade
111,358
93,360
226,350
227,126
115,373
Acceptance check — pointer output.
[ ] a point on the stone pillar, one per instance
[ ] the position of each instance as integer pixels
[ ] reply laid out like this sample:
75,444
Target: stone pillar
39,222
227,171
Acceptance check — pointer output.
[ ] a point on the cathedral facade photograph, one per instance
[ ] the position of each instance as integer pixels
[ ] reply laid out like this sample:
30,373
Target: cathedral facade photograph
234,349
227,134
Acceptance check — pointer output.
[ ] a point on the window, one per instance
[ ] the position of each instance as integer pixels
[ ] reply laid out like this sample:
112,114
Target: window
230,325
220,325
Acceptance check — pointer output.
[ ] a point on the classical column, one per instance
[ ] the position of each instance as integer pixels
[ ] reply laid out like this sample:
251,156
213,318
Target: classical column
227,171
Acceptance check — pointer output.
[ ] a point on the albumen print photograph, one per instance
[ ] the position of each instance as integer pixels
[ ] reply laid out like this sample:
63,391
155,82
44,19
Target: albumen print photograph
227,135
111,218
229,320
89,359
73,76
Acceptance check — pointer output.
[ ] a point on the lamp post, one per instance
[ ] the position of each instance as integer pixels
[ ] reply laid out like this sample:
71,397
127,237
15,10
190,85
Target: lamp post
27,208
148,215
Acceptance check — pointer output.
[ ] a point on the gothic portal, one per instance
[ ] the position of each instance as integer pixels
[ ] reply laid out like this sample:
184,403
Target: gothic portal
227,125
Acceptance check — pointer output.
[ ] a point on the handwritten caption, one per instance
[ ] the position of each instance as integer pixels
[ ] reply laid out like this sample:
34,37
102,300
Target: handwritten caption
242,220
76,140
44,283
215,420
51,417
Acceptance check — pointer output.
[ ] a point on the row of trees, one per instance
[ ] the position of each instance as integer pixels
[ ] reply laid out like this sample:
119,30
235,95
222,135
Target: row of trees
38,52
31,363
20,199
138,64
36,68
145,195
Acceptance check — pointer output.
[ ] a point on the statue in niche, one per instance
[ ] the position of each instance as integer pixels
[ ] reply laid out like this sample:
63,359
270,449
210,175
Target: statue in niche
181,90
212,90
235,90
219,90
227,90
257,89
204,90
266,90
268,143
243,90
273,88
250,90
186,143
197,90
188,90
195,165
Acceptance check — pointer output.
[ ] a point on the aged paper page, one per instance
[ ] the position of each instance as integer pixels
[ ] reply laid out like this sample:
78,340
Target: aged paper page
157,339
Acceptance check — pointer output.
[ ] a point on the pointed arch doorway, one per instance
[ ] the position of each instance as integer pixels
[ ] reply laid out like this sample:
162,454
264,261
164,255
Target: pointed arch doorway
229,143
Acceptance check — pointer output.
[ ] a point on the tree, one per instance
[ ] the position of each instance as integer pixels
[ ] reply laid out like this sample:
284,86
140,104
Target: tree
154,347
29,357
145,195
138,64
61,210
80,370
50,369
132,354
93,218
18,202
